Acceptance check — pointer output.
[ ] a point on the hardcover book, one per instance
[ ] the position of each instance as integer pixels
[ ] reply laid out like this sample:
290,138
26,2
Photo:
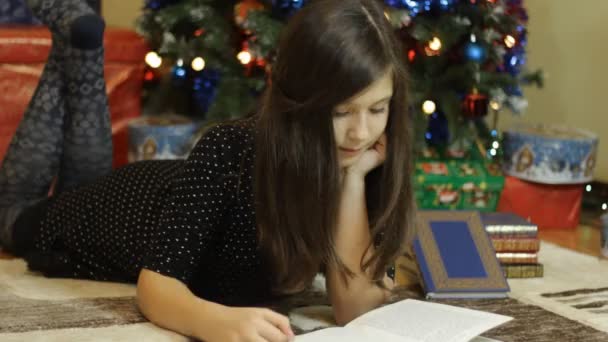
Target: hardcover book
516,244
508,225
523,271
455,256
517,258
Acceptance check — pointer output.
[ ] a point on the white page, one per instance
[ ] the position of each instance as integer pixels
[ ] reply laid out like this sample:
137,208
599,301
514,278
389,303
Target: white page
347,334
430,322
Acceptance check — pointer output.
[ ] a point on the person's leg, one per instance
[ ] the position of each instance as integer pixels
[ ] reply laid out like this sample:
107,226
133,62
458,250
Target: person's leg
77,146
87,151
32,159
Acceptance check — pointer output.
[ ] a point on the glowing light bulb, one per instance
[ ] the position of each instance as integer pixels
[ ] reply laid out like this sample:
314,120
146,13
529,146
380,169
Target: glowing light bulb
493,152
198,64
496,144
510,41
411,54
428,107
588,188
435,44
153,59
494,105
244,57
180,62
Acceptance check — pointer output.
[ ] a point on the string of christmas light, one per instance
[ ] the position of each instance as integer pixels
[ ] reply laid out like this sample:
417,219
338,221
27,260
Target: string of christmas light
466,57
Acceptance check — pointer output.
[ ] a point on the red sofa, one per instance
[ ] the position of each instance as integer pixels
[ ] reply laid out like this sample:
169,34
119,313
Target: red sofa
23,52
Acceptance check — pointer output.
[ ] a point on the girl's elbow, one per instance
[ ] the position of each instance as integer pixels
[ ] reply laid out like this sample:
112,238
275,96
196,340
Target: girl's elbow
343,315
144,292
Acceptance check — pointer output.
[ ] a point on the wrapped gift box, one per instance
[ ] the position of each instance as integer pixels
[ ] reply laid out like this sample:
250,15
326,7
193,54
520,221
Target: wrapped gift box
23,53
550,154
162,137
548,206
464,182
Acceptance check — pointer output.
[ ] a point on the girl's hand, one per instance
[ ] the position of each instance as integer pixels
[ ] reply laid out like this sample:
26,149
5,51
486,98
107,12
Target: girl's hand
249,324
371,159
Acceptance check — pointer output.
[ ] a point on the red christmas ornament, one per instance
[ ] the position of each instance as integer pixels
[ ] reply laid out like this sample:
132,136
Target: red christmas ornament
241,10
411,54
475,105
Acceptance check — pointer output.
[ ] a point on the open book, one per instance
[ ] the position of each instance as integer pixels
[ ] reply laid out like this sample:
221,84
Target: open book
412,321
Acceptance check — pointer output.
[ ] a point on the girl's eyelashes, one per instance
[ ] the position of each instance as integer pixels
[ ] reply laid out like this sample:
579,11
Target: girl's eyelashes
340,114
378,110
371,110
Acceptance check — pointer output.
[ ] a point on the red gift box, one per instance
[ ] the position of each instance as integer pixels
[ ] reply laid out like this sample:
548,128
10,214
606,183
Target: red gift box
548,206
23,53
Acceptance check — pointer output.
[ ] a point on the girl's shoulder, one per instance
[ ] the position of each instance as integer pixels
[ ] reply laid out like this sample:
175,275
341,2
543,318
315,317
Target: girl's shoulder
230,133
226,143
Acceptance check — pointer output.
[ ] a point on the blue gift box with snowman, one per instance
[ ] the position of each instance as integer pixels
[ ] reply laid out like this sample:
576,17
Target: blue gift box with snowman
550,154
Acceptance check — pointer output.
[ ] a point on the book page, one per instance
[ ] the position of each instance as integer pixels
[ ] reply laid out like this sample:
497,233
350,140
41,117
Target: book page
426,322
347,334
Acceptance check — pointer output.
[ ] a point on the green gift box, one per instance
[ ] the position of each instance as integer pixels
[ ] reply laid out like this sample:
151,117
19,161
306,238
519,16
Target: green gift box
463,184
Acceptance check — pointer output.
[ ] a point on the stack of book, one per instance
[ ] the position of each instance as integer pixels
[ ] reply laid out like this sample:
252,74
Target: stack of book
516,243
455,256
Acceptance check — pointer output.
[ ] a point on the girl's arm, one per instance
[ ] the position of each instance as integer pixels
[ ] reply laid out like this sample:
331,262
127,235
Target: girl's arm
352,239
168,303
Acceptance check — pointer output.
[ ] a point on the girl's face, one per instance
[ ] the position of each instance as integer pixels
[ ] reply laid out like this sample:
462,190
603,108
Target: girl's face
361,120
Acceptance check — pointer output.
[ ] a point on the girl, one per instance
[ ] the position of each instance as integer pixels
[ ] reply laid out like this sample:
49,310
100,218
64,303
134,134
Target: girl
318,180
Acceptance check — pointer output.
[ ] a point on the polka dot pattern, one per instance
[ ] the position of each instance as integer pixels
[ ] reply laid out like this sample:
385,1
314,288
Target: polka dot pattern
193,220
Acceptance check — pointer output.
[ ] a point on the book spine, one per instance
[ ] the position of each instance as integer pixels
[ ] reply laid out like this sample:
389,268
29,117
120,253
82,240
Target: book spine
517,258
512,230
426,278
515,245
523,271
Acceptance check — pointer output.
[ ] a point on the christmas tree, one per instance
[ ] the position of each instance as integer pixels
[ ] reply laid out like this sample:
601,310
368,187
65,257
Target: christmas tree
466,58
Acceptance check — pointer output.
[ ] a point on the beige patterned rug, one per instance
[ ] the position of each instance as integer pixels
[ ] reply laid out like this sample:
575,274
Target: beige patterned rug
569,304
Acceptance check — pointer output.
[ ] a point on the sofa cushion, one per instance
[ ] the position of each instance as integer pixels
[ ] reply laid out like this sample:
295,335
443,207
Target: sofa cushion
31,44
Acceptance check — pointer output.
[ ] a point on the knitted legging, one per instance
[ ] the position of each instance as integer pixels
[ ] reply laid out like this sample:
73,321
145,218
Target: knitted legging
65,132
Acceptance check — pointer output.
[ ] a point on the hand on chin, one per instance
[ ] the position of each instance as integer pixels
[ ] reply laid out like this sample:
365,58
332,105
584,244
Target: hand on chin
368,160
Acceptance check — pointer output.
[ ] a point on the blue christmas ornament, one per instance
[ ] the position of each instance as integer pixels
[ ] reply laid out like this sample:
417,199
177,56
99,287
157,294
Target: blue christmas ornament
153,4
416,6
445,5
437,132
205,85
514,60
475,52
523,35
179,74
419,6
514,91
287,8
158,4
393,3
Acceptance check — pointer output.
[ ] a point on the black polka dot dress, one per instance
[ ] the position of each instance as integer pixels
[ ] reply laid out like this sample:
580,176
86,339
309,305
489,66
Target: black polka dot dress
193,220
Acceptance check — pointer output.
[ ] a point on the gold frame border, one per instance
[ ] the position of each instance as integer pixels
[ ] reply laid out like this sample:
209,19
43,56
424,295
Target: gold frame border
495,278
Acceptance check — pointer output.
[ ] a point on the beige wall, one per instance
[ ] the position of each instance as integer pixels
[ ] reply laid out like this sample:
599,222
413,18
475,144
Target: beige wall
566,40
121,13
569,44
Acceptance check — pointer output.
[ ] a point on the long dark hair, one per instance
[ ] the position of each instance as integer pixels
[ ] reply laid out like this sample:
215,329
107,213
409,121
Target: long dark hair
329,51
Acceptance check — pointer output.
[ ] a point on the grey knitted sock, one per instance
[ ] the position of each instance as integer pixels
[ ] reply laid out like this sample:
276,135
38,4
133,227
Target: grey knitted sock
87,150
32,159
